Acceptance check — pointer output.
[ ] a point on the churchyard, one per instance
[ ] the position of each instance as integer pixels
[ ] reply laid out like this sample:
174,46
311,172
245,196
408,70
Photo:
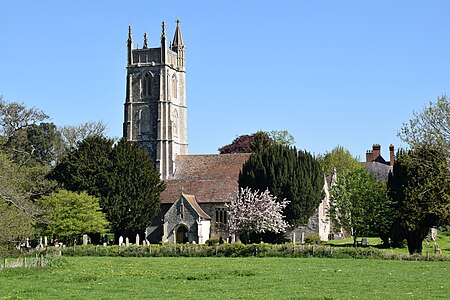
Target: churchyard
227,278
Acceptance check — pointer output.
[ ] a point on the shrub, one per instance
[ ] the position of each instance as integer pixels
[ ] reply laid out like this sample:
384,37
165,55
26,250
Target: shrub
310,238
237,250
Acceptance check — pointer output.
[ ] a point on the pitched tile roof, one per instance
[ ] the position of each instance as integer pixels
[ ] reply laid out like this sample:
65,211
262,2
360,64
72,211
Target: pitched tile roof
379,170
193,202
210,177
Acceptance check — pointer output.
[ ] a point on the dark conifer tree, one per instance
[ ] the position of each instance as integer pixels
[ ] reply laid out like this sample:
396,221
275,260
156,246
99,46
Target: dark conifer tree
288,174
421,190
123,176
133,197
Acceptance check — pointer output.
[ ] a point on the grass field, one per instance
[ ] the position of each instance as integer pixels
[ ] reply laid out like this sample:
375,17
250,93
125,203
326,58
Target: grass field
228,278
443,241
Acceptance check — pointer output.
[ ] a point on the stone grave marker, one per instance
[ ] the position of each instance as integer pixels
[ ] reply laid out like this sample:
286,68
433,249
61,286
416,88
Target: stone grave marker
85,239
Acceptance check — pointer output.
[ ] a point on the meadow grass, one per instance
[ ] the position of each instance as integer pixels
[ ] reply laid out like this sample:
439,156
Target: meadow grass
228,278
443,240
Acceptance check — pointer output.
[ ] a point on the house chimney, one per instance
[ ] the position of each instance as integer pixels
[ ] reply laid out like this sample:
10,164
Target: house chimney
369,156
376,151
392,156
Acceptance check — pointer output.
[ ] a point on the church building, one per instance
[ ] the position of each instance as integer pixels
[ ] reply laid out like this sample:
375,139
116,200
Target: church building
193,206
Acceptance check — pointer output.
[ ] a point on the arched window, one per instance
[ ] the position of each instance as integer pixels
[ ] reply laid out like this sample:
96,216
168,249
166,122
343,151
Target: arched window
174,87
146,86
144,120
175,123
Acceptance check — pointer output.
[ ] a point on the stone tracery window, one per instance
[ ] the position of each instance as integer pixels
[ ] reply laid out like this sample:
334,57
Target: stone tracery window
174,87
175,123
146,85
221,216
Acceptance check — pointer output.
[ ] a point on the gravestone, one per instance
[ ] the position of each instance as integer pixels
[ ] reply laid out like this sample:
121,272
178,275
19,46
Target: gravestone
120,240
433,234
45,241
40,242
437,250
85,239
127,241
137,240
364,242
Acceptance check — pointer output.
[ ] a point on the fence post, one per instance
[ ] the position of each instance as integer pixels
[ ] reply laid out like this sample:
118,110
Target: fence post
24,261
4,263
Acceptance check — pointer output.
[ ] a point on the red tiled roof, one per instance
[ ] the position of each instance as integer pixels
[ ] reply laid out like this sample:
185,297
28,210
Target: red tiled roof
210,177
193,202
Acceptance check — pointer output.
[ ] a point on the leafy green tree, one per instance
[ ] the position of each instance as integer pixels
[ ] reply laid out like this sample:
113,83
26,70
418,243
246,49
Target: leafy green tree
16,225
421,188
282,137
72,135
34,144
133,196
70,215
430,127
338,160
288,174
19,187
15,116
26,137
359,203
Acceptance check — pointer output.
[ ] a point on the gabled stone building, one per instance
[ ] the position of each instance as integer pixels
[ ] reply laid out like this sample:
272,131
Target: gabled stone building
193,206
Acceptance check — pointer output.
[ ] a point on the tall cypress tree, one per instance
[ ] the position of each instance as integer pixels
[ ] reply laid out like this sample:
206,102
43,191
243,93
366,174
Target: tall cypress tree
288,174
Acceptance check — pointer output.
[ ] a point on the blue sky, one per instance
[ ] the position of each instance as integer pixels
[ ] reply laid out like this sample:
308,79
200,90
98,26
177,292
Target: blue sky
330,72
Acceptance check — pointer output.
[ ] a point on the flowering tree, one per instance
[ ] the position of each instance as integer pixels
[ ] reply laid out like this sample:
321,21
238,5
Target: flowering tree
255,212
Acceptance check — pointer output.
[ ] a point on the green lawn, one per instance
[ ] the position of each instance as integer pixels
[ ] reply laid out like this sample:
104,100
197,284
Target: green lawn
228,278
442,240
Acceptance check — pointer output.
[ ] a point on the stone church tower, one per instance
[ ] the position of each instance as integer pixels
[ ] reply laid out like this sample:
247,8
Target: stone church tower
155,105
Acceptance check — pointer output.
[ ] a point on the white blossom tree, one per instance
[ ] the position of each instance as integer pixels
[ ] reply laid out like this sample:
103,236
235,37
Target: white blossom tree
255,212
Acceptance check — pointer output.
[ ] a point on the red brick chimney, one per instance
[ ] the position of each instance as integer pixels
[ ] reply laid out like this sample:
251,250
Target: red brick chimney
392,155
369,156
376,151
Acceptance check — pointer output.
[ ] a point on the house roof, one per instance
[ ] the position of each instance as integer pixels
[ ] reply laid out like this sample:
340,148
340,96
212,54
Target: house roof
379,170
210,177
193,202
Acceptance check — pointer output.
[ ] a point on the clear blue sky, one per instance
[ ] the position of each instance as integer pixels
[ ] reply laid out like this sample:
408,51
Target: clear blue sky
330,72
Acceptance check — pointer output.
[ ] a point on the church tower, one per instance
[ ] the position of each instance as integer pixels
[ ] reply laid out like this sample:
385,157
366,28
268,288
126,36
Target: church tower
155,111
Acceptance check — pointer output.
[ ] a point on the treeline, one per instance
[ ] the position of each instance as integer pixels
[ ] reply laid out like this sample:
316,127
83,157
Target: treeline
70,180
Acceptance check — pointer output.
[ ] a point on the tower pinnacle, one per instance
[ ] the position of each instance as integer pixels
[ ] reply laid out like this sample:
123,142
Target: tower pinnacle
145,46
177,38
